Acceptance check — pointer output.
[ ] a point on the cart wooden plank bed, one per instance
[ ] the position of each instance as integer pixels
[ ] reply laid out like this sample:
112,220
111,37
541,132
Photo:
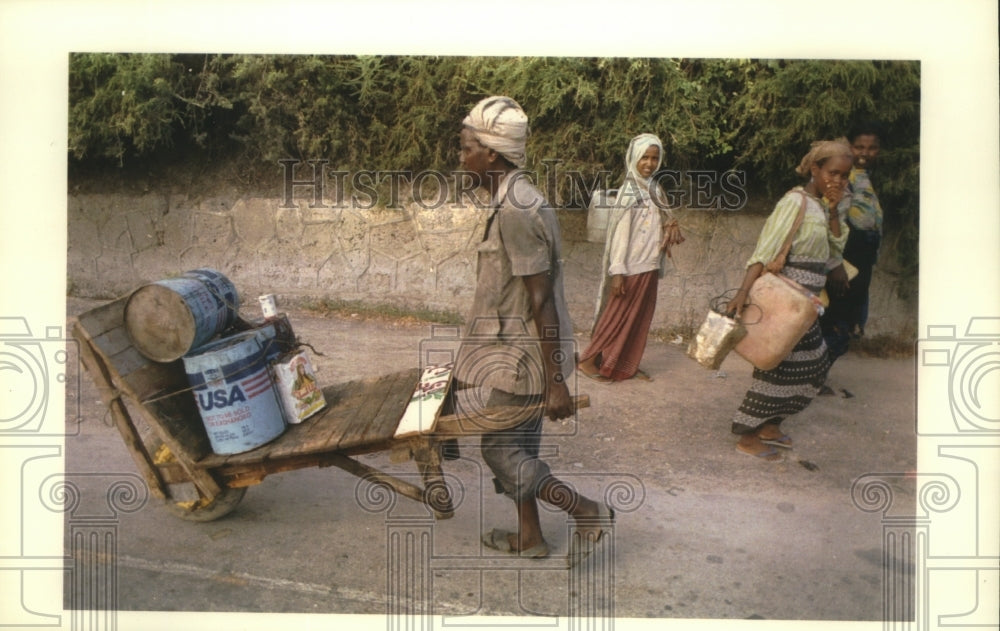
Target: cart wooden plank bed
174,455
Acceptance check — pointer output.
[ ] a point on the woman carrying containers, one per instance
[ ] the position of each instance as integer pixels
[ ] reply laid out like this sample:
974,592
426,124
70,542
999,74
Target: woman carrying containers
803,238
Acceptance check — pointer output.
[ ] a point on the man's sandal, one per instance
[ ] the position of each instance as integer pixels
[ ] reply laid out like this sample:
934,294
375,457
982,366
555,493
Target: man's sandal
497,539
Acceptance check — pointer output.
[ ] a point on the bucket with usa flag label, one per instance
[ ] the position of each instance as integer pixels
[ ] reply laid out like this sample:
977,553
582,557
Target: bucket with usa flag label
235,394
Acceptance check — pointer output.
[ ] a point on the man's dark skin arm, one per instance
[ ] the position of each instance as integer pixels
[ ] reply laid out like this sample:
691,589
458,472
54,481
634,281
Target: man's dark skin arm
557,400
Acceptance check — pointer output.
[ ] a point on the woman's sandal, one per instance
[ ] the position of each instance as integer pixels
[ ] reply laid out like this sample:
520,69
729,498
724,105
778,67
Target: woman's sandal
582,545
784,441
497,539
599,378
770,454
642,375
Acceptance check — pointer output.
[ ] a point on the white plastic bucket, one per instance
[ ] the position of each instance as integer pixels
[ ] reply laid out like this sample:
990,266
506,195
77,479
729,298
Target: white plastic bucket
170,318
598,214
235,394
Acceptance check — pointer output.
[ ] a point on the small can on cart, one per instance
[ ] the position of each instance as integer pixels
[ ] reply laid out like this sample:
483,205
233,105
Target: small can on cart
268,306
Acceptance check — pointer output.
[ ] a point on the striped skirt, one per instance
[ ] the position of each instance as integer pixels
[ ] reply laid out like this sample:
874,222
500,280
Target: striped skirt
791,385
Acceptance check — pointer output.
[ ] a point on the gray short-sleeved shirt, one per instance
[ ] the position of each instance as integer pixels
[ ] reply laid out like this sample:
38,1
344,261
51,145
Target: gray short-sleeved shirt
500,346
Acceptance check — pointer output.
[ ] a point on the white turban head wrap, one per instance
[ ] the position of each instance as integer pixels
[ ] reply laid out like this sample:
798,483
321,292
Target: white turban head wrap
500,124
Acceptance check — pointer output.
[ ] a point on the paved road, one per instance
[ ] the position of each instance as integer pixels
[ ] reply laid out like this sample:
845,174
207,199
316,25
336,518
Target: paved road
702,532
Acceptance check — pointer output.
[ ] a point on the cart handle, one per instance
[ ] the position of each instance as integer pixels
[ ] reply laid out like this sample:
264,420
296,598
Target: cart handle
493,419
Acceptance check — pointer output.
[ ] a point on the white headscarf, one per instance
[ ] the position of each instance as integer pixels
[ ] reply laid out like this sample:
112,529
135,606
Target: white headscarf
636,186
500,124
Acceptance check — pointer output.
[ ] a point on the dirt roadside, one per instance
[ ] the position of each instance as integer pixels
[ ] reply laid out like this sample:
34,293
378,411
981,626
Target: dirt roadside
706,532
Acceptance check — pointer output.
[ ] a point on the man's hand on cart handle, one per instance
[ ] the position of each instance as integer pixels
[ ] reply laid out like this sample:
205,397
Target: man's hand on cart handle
492,419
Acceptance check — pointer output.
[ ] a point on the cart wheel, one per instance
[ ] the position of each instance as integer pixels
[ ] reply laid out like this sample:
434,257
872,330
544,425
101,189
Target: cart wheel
208,510
201,509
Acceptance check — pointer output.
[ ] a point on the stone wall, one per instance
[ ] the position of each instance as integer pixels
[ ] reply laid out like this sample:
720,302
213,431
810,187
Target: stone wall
410,257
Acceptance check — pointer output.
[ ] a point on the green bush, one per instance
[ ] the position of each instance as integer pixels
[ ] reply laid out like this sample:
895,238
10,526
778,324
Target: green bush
127,106
787,104
403,113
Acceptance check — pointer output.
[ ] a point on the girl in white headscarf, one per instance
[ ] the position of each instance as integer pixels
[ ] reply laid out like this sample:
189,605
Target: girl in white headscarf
641,230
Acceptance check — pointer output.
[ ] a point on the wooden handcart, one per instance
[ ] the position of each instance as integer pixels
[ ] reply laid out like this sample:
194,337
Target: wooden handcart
174,455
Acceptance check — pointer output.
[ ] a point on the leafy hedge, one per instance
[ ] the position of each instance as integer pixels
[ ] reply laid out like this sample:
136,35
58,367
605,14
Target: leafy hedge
403,113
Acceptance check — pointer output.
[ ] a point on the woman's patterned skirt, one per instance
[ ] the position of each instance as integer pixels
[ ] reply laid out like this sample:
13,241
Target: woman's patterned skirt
791,385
